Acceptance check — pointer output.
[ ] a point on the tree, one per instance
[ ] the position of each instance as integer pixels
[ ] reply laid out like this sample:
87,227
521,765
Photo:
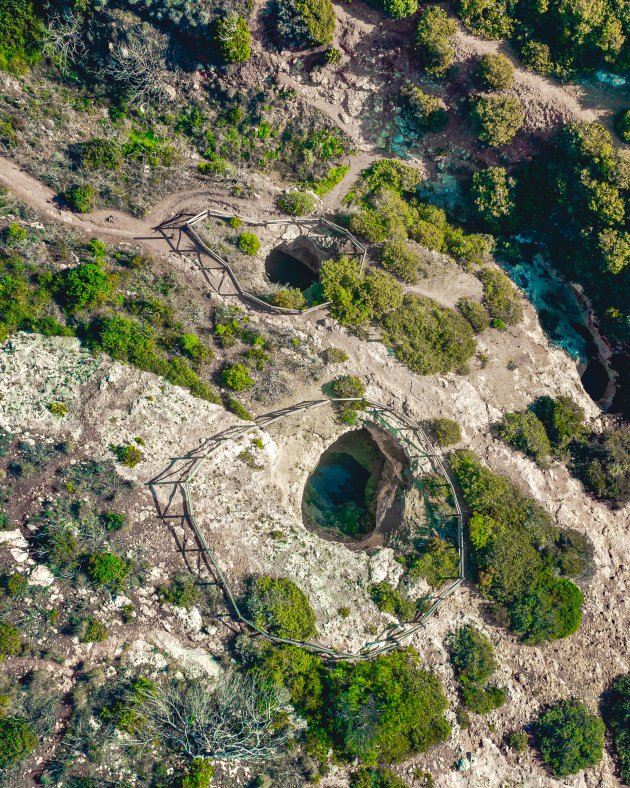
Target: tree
497,119
398,9
435,35
278,606
17,740
493,196
569,737
614,246
233,38
425,111
306,22
495,72
238,718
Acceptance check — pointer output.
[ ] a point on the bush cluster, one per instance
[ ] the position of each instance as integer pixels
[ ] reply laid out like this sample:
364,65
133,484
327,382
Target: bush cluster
390,600
296,203
569,737
500,297
525,432
278,606
21,34
435,41
475,313
518,553
618,722
497,119
182,592
495,72
233,38
306,22
555,37
428,337
493,197
472,657
437,562
447,431
400,258
426,112
17,740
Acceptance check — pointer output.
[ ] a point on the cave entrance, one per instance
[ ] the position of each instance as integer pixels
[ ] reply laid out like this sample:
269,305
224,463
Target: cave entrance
295,264
339,497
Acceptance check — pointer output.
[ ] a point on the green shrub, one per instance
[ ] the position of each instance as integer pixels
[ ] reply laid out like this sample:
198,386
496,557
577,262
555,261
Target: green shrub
517,741
516,549
17,740
401,259
10,640
495,72
100,154
108,569
552,610
199,774
238,409
296,203
389,600
447,431
391,174
233,38
375,777
468,250
618,722
288,298
59,409
306,22
333,56
614,247
278,606
435,41
493,196
525,432
348,386
622,125
602,463
497,119
398,9
91,630
342,285
182,592
488,18
472,657
14,234
569,737
381,292
424,110
500,297
112,521
192,347
387,708
237,377
21,33
437,562
85,286
427,337
128,455
14,584
475,313
335,355
249,243
81,197
562,418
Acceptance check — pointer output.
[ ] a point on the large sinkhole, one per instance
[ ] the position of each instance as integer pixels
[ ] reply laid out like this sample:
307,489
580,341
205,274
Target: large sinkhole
350,496
295,264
